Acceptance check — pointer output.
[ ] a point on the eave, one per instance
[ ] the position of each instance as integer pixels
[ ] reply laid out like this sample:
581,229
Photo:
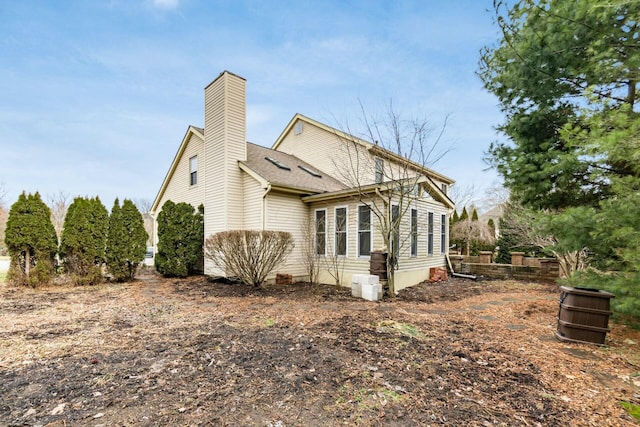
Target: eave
192,130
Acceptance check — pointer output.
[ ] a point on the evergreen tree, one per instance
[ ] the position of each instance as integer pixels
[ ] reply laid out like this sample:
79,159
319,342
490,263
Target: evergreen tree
506,243
474,215
180,239
455,218
566,76
31,241
84,240
555,57
126,241
464,215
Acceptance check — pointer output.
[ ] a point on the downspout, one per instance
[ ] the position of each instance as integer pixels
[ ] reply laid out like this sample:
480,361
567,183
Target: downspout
264,206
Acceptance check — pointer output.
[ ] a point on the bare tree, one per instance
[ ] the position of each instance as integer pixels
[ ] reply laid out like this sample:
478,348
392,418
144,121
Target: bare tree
389,176
334,264
522,225
309,257
249,255
463,195
58,204
472,232
144,205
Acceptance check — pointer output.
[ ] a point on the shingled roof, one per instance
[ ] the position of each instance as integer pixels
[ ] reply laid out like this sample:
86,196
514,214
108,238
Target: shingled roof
288,171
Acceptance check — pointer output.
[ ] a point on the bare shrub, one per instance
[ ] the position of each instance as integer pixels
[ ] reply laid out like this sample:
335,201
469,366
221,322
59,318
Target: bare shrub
248,254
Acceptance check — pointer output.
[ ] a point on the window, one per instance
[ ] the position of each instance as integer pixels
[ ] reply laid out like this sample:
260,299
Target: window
278,163
321,232
379,169
310,172
444,188
341,232
193,170
443,234
430,234
414,232
395,230
364,230
298,127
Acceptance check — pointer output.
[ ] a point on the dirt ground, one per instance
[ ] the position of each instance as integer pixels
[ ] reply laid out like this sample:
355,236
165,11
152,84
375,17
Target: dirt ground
192,352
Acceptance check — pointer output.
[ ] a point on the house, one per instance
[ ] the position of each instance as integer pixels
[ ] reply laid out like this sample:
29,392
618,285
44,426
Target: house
302,185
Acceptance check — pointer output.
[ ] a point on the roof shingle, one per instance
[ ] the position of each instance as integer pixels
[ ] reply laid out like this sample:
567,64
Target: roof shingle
293,175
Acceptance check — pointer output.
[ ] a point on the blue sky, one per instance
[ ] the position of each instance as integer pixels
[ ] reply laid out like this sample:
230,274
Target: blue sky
95,96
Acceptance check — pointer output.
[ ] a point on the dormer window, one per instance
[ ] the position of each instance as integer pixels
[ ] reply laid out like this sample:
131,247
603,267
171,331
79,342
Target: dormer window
278,163
444,188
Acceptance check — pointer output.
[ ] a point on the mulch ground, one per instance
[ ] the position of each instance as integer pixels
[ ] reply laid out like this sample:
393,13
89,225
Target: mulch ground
193,352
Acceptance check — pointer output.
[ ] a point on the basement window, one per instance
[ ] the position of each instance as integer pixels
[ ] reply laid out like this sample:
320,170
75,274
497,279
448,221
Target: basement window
277,163
310,172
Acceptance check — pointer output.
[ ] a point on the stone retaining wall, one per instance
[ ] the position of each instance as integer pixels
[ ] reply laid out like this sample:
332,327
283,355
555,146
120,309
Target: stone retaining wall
547,269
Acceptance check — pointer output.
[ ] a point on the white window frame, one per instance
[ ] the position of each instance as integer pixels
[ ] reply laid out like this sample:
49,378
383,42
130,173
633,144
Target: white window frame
193,171
443,234
430,231
315,232
413,230
370,231
346,231
378,168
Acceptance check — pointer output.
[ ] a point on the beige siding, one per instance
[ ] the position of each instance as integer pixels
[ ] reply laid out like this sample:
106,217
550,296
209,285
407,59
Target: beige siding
225,145
411,269
350,163
253,203
285,212
320,148
179,188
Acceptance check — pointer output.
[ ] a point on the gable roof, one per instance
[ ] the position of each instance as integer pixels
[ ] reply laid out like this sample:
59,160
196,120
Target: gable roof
286,171
192,130
373,148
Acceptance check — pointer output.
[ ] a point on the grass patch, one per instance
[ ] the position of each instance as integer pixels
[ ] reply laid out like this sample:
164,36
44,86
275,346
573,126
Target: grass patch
406,329
632,409
3,276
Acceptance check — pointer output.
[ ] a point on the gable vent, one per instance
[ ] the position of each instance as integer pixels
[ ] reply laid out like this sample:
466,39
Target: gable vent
277,163
310,172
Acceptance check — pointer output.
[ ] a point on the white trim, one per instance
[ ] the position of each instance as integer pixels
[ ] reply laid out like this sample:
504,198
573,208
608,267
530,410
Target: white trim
443,242
433,237
411,211
192,170
315,232
335,231
358,255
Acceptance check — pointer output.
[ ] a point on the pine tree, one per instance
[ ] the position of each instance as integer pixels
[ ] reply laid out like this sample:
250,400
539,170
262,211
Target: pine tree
455,218
180,239
84,240
464,215
31,241
126,241
474,215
